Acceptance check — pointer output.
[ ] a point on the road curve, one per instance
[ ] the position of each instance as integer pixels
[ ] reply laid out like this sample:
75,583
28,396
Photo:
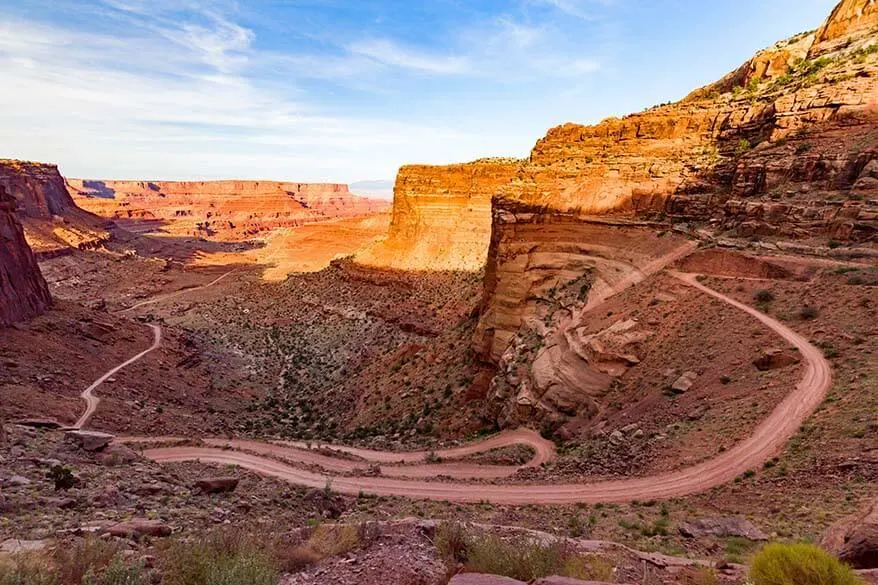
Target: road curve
92,401
179,293
766,441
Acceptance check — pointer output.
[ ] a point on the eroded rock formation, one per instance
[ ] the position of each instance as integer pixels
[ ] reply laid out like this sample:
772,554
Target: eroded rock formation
225,210
51,219
785,147
23,292
441,216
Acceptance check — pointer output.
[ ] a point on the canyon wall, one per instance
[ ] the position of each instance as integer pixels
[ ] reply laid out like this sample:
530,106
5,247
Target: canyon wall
441,216
23,291
52,221
218,209
785,147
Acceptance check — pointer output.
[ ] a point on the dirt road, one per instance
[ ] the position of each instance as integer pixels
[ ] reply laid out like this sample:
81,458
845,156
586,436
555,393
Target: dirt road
766,441
92,401
176,294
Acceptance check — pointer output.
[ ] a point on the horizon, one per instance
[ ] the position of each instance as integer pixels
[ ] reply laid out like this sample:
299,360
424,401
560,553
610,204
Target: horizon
206,90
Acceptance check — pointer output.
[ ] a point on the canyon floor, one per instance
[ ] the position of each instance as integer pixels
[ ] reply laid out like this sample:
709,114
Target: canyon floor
345,355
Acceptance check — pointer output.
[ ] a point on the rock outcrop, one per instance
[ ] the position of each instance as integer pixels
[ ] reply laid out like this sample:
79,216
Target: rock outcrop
441,216
785,147
51,219
223,210
23,291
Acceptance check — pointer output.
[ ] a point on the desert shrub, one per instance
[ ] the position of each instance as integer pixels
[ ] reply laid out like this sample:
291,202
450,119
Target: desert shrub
118,572
328,540
222,558
764,296
743,147
809,312
88,556
451,541
62,477
799,564
27,569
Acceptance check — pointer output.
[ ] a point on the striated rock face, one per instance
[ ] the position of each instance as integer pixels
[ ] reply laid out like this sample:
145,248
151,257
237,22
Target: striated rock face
23,292
38,187
218,209
52,221
785,147
441,216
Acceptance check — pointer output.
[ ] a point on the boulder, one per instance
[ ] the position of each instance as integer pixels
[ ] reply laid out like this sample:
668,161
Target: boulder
89,440
14,545
140,527
855,539
722,528
774,359
480,579
684,383
114,455
217,485
38,423
566,581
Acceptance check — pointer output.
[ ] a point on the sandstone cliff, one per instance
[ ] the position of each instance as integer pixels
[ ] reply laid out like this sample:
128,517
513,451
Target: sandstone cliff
218,209
23,292
52,221
441,216
785,147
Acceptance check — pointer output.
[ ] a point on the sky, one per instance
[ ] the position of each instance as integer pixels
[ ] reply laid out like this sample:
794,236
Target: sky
343,90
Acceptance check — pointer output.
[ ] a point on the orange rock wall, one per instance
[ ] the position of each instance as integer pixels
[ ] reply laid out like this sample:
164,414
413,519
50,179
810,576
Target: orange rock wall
441,216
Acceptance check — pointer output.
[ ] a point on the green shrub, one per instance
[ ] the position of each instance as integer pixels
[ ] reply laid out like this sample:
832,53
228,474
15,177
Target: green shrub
799,564
87,556
27,569
62,477
525,559
118,572
809,313
224,558
764,296
451,541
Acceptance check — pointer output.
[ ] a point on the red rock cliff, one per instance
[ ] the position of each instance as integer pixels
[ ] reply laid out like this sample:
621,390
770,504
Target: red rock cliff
23,292
220,209
441,216
783,148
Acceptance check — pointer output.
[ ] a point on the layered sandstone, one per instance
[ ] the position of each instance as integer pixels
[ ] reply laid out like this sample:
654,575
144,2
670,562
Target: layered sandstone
23,291
224,210
441,216
52,221
785,147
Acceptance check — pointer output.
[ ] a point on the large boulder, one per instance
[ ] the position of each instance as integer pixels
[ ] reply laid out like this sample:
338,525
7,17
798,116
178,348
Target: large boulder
775,359
566,581
722,528
217,485
140,527
480,579
89,440
855,539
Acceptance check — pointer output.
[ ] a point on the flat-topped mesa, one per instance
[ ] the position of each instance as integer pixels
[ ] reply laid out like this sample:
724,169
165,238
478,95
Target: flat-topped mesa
219,209
23,291
784,147
441,216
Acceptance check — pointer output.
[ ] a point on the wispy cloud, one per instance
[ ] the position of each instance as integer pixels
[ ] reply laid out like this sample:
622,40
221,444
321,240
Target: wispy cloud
390,53
584,9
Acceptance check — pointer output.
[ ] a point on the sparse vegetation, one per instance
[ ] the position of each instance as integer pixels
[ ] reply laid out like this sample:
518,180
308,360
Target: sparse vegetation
799,564
809,312
222,558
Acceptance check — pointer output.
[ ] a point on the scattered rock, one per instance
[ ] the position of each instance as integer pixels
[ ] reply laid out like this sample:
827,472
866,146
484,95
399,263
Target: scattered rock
17,481
89,440
217,485
566,581
684,383
774,359
140,527
617,438
721,527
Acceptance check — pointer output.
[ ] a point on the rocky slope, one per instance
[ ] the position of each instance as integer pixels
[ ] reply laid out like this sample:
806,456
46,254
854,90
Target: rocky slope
51,219
441,216
223,210
23,292
786,147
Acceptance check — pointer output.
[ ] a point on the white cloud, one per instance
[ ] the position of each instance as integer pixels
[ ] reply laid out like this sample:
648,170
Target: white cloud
390,53
584,9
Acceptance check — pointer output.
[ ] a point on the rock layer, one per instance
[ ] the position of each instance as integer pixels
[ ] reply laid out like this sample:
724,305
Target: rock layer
441,216
785,147
23,291
225,210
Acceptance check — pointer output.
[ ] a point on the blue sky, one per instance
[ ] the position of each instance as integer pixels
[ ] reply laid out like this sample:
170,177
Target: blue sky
339,90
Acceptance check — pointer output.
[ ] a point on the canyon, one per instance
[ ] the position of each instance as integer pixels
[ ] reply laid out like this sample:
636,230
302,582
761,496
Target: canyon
645,327
221,210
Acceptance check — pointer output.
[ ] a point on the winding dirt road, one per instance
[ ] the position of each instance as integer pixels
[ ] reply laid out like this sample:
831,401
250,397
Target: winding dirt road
766,441
178,293
92,401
